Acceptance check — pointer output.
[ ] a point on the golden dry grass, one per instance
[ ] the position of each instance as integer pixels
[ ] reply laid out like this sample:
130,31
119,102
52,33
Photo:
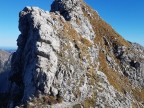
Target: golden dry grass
101,28
44,100
138,94
89,102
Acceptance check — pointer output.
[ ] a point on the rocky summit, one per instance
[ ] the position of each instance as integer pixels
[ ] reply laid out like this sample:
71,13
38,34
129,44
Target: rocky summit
71,58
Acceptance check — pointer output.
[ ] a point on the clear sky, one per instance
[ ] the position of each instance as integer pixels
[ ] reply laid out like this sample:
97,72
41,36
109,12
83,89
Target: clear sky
125,16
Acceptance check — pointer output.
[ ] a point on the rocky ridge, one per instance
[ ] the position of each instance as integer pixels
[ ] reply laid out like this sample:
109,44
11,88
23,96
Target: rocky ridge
70,57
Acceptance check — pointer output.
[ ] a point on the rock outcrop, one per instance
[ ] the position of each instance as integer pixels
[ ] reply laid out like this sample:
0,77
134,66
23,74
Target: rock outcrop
70,57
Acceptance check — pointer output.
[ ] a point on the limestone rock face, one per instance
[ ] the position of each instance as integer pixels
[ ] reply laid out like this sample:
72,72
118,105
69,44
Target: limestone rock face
35,61
72,11
132,63
70,57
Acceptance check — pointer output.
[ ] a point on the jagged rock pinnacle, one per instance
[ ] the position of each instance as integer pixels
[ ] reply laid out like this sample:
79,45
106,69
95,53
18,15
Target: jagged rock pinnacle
66,7
72,11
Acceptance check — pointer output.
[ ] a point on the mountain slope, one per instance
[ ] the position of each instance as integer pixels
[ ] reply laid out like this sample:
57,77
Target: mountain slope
4,75
4,56
70,57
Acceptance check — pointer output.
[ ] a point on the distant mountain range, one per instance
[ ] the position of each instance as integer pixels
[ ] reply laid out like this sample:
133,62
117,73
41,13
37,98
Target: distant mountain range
4,56
8,49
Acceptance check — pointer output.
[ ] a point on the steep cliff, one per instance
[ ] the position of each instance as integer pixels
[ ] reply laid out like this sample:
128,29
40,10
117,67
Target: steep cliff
70,57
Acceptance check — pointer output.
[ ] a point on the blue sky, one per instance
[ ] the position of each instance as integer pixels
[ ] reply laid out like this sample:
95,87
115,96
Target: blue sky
125,16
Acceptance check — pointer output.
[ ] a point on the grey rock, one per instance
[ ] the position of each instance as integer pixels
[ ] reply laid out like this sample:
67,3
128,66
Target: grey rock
58,58
132,62
66,7
54,91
